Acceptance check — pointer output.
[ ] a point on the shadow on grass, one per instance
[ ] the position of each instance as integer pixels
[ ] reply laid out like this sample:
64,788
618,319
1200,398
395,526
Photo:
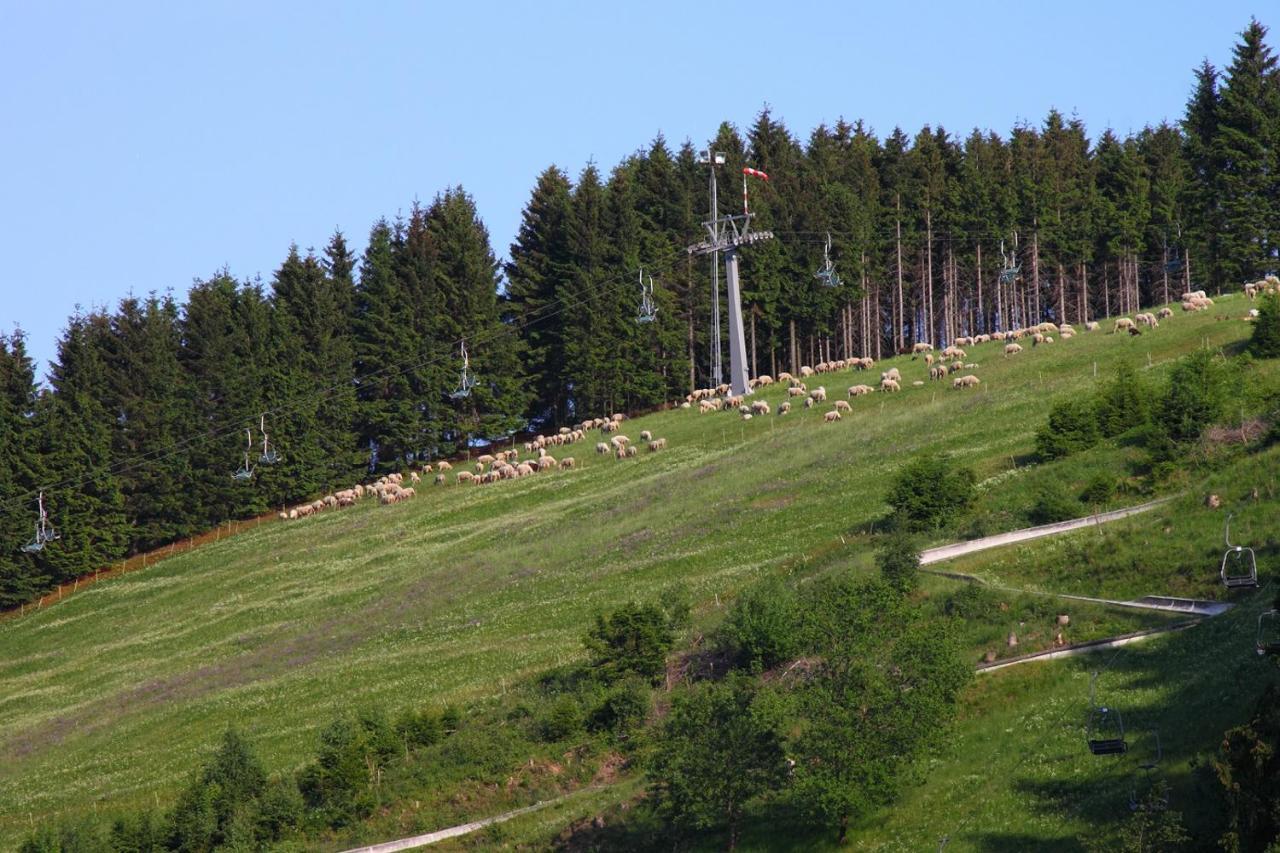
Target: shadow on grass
1002,842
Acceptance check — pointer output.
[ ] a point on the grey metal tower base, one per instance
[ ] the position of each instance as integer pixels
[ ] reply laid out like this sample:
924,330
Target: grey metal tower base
737,340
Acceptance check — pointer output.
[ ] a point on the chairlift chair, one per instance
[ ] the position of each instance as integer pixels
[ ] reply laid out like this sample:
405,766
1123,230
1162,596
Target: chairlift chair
468,380
1105,732
1148,768
648,309
1269,633
269,455
827,275
245,471
1239,564
45,532
1012,269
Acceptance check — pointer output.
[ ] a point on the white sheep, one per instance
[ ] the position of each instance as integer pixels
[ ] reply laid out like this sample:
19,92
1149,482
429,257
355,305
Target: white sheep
832,416
1011,349
843,406
890,385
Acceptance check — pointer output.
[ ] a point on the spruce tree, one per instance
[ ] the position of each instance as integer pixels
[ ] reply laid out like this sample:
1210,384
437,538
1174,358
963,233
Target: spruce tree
1200,133
538,265
1246,151
21,578
81,486
466,286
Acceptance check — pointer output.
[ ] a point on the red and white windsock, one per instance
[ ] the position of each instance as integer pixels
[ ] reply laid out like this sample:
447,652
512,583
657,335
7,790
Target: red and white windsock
755,173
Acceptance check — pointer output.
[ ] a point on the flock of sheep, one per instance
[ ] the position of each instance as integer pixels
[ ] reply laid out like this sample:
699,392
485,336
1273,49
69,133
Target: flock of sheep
507,465
941,365
487,468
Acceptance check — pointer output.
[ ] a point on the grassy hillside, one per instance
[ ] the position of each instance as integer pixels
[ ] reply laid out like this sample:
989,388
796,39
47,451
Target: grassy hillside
109,697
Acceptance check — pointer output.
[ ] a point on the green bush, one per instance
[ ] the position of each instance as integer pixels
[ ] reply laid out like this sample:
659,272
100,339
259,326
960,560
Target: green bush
1051,504
336,785
1072,426
561,721
1265,341
761,628
1196,395
633,640
420,728
973,601
1100,489
1122,403
624,707
929,491
899,561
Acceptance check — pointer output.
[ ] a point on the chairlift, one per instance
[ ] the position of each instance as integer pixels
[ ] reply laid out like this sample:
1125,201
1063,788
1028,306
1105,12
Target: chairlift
269,455
1105,732
1269,632
1012,269
1150,779
45,532
648,308
827,275
1239,564
245,471
468,380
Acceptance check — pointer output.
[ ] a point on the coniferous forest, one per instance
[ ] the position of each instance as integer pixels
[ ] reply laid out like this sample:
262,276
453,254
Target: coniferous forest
149,409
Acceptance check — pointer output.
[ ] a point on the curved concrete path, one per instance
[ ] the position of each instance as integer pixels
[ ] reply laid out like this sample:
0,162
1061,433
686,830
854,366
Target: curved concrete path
958,549
453,831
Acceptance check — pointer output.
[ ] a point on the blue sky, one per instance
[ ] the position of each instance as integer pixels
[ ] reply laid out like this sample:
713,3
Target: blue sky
145,145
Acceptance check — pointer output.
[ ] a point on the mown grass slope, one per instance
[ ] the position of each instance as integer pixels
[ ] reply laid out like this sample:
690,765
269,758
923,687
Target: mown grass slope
109,698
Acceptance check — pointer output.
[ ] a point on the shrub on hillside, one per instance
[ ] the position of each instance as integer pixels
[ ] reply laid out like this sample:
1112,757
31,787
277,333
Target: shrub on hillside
1052,503
1196,395
1100,489
929,491
623,708
717,751
762,627
1248,770
1072,426
1265,341
562,720
899,561
1124,402
633,640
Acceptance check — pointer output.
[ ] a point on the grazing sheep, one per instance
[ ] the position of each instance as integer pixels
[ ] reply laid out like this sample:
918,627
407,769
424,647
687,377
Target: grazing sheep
806,371
484,459
444,466
632,451
685,405
965,382
441,479
465,477
795,392
1011,349
921,347
928,359
1165,312
784,377
890,385
1122,323
1134,331
645,435
1048,339
602,447
1037,339
843,406
819,394
567,463
784,408
808,402
657,444
831,417
1091,326
859,390
524,469
746,416
937,372
891,373
760,407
